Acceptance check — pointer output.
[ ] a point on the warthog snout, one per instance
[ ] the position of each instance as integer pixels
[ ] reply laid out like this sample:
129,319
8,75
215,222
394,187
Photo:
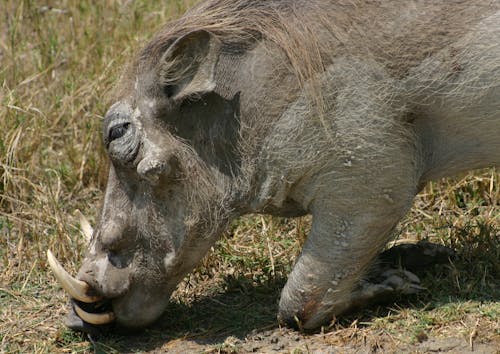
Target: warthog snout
81,293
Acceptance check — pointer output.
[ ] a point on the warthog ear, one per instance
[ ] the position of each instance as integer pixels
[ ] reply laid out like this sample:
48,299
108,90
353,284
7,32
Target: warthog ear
211,124
188,65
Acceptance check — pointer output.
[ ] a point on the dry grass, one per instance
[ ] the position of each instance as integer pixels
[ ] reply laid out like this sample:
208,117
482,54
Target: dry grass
57,64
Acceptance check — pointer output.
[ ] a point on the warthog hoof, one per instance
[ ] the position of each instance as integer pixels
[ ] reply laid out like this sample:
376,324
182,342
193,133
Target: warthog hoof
393,276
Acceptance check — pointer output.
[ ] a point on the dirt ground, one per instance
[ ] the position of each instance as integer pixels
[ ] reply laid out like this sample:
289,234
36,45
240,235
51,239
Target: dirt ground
288,341
244,321
284,340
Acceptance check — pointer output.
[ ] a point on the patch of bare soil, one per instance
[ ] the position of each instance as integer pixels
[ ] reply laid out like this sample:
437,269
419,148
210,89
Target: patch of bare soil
198,329
281,340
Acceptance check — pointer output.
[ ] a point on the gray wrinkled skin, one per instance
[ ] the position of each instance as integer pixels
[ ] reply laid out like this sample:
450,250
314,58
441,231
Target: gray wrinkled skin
205,132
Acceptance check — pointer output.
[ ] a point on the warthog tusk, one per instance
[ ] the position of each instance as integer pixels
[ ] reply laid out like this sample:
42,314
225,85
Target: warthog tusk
77,289
94,318
85,225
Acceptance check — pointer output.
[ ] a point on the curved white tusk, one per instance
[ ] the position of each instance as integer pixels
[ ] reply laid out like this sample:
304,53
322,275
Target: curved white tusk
402,241
94,318
87,229
77,289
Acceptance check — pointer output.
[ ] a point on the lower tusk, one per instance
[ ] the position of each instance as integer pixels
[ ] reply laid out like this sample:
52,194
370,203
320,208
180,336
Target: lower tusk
87,229
94,318
77,289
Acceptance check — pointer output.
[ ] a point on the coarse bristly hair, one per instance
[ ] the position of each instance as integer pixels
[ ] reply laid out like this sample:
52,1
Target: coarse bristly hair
311,33
240,24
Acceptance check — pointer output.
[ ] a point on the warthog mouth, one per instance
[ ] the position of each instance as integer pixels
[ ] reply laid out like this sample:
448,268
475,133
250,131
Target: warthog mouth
88,306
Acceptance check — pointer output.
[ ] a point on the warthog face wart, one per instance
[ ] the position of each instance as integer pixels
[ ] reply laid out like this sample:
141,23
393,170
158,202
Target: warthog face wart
343,112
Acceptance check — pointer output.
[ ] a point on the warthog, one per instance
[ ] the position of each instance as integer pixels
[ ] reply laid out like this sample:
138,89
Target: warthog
339,109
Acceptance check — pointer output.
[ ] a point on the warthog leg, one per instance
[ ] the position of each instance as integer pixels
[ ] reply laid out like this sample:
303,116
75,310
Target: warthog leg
356,199
327,279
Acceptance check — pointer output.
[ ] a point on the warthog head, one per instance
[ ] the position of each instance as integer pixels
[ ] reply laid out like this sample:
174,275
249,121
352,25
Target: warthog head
169,142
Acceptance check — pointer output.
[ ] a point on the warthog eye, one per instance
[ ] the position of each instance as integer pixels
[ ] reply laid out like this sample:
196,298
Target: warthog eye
169,90
117,131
